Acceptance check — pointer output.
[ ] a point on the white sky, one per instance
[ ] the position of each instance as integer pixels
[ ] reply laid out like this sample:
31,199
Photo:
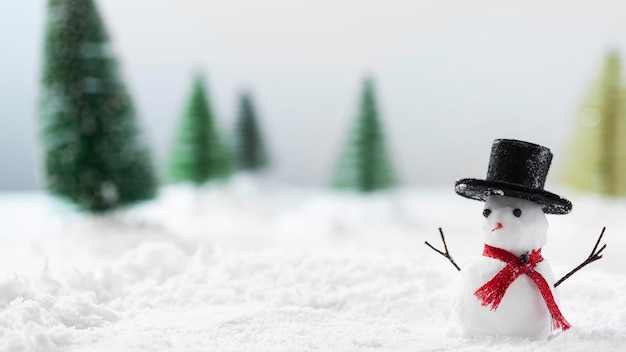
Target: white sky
451,75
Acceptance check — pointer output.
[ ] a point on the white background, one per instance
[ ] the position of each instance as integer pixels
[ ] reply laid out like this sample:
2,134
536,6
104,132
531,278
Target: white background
451,75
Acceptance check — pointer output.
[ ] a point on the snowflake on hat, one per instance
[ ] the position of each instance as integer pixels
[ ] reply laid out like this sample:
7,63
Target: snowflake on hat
511,290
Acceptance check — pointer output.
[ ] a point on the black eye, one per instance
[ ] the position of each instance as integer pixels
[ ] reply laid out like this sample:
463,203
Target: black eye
517,213
486,212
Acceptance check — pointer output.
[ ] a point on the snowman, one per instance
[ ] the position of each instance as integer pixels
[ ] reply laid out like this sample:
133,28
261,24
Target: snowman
511,290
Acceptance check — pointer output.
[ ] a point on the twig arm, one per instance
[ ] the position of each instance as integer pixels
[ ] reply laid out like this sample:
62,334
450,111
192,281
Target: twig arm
445,246
595,255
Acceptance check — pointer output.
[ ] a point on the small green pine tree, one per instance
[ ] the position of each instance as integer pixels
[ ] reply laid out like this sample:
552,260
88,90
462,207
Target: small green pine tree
365,165
199,153
94,153
596,160
251,154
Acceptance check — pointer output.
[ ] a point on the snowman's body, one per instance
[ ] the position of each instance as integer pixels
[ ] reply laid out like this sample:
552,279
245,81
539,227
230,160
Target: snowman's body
522,311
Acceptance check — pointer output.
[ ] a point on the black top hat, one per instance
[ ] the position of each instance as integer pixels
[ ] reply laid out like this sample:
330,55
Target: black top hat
516,169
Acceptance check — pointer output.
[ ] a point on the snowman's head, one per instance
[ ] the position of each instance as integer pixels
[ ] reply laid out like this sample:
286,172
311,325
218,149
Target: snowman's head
514,224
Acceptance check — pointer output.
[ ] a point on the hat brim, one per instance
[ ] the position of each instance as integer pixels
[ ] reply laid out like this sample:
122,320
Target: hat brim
481,189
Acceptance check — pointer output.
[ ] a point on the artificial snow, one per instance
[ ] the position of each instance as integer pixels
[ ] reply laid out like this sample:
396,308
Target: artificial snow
250,266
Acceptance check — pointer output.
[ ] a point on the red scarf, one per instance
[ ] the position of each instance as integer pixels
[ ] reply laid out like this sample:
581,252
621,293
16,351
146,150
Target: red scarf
493,291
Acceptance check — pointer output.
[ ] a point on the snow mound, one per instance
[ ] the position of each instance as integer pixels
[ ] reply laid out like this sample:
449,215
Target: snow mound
273,270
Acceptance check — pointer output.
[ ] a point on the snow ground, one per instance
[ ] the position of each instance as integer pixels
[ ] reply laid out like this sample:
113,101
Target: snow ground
257,267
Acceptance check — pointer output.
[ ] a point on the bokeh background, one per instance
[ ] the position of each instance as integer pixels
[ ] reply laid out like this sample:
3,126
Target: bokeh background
450,75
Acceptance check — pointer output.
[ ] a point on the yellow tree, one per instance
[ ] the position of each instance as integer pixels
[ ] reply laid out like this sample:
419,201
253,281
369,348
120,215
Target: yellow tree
596,160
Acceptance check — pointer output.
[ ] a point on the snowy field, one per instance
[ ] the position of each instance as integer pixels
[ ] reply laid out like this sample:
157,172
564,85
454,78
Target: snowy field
250,267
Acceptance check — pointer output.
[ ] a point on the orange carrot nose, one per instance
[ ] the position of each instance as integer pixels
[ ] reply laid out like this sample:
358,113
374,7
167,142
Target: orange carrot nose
498,227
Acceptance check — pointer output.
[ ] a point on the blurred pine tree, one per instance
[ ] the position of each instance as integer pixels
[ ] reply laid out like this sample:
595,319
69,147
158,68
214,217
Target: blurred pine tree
365,165
94,152
199,153
596,160
251,153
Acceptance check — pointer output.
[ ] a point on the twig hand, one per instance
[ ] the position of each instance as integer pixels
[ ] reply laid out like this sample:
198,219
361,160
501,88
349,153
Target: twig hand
595,255
446,253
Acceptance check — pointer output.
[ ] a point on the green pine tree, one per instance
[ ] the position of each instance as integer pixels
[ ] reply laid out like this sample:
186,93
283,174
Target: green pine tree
365,165
251,154
596,160
94,153
199,153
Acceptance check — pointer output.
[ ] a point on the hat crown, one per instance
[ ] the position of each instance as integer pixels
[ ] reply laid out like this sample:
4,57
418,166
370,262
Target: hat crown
520,163
517,169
